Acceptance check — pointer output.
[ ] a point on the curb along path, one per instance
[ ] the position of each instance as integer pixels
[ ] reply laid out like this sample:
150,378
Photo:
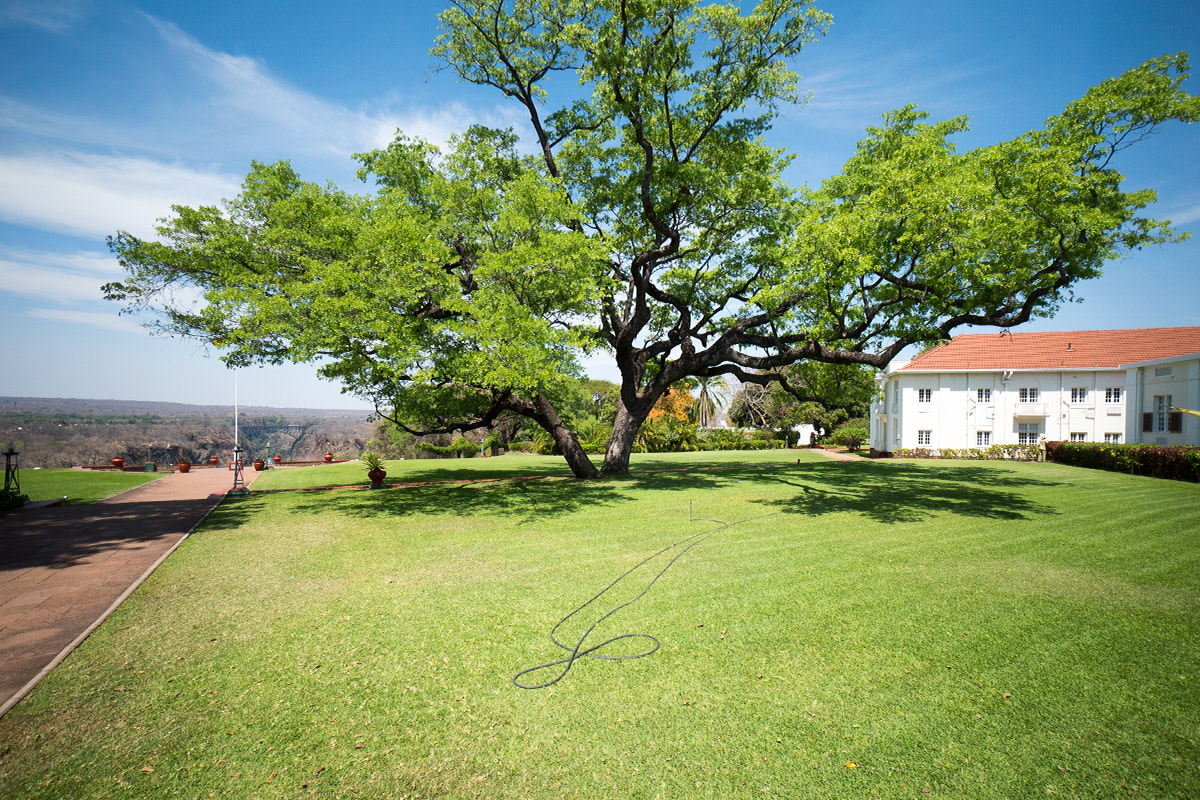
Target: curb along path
63,570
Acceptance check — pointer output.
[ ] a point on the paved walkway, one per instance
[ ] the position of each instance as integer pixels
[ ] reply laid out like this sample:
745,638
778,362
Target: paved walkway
63,570
838,455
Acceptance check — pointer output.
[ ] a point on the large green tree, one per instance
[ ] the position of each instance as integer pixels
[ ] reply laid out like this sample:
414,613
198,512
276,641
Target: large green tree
653,224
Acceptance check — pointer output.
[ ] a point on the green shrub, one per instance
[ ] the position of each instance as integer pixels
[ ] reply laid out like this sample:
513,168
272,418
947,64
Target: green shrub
997,452
722,439
851,436
1174,463
460,447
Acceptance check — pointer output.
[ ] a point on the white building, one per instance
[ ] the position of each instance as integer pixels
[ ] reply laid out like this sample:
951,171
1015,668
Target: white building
1011,388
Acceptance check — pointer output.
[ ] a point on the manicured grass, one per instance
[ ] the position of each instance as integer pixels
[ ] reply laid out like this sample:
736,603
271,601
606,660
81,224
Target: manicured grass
80,486
506,466
872,629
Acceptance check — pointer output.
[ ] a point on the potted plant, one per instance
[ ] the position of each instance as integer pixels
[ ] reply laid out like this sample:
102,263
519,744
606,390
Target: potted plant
184,465
373,462
214,460
119,463
259,465
278,458
328,457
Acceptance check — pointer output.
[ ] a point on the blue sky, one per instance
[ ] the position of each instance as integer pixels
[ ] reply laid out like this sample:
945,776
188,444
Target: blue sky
111,111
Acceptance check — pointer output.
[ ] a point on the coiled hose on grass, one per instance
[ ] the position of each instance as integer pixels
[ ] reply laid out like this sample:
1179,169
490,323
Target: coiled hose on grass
576,652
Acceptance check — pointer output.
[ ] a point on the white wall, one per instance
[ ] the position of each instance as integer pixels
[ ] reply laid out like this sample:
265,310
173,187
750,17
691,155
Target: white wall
1183,385
955,414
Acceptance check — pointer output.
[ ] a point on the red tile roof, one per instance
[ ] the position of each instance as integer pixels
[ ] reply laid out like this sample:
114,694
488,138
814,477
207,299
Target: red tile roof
1057,350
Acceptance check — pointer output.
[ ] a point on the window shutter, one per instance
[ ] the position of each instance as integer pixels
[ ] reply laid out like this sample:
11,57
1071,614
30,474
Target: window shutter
1175,422
1147,422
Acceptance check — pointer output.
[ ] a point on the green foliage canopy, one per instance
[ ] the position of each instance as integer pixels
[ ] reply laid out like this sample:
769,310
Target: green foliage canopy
654,224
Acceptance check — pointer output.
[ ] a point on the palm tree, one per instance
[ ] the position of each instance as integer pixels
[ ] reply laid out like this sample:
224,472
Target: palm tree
714,393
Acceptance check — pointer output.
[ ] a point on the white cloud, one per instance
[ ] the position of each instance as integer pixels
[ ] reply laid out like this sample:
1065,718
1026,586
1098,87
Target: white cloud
94,195
59,277
95,319
55,16
1184,216
22,120
863,85
293,120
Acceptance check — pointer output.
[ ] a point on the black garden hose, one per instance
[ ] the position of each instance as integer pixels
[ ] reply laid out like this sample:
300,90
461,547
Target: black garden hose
577,651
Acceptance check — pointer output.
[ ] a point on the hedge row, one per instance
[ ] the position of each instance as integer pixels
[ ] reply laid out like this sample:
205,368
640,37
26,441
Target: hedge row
1175,463
996,452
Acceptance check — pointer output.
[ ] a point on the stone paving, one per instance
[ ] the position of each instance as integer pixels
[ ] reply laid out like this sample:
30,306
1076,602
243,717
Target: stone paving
64,569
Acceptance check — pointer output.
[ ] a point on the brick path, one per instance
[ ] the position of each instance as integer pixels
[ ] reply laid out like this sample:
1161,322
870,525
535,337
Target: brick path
63,570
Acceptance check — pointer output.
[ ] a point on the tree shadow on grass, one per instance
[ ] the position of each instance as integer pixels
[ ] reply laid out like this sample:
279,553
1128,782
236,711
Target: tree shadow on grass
884,491
896,492
69,535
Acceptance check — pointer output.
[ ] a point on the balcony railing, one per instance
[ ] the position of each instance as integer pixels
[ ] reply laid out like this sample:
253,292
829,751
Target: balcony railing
1029,410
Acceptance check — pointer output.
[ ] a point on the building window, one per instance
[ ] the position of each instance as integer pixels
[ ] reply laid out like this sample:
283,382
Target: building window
924,395
1027,394
1112,394
1078,394
1162,372
983,438
1162,419
1112,438
1028,432
983,395
1078,437
924,437
1162,409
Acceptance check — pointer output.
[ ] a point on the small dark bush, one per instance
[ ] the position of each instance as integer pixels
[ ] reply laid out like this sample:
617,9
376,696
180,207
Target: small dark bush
10,498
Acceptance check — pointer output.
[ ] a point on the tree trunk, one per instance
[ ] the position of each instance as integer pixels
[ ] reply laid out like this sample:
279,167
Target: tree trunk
625,430
581,466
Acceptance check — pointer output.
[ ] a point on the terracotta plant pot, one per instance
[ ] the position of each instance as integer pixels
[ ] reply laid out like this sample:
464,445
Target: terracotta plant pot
277,458
259,465
377,475
328,457
118,462
184,466
214,461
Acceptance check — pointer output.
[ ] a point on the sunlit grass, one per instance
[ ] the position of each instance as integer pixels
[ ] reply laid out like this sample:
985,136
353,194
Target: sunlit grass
507,466
80,486
870,629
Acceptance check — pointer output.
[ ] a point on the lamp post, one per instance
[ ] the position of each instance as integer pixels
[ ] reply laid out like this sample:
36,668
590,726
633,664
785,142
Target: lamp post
12,481
239,480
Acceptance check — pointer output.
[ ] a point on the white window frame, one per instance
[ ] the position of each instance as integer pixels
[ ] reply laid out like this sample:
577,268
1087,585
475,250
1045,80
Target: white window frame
1162,408
924,438
983,438
1079,394
1112,438
1028,394
1113,394
1028,432
1078,436
924,395
983,395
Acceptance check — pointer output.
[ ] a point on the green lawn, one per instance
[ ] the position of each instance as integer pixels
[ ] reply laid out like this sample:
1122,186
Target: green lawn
80,486
508,466
883,629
